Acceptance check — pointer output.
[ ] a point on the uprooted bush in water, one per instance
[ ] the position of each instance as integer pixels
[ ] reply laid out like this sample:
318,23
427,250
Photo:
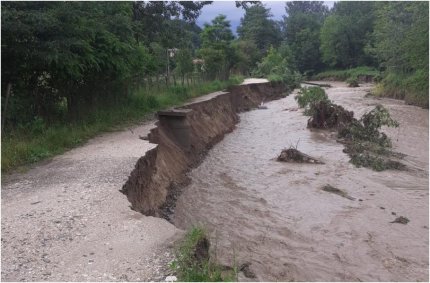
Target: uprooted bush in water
367,128
307,97
366,145
327,115
363,141
293,155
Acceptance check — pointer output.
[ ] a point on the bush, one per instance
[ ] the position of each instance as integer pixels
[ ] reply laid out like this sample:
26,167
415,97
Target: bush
309,96
352,82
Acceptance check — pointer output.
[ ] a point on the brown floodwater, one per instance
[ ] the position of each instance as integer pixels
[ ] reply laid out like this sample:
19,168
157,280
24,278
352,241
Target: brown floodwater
276,216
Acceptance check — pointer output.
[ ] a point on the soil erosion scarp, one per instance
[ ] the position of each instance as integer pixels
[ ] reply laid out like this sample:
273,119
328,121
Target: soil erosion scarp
183,136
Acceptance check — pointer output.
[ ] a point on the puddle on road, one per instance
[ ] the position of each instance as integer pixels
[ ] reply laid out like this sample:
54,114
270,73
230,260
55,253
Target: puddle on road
275,215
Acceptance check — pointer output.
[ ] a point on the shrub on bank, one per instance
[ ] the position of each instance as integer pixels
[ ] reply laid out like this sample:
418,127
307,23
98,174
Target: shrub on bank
343,75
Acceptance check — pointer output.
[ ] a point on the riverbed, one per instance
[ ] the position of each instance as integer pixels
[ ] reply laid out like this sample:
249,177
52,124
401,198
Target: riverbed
276,217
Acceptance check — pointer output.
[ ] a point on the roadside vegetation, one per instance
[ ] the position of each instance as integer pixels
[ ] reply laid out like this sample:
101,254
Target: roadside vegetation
193,261
71,70
36,140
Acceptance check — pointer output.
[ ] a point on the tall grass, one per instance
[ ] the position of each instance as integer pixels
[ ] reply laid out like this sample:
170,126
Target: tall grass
411,87
414,89
37,141
353,73
193,262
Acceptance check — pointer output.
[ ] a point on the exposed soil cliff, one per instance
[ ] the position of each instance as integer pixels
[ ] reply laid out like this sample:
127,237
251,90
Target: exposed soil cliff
183,136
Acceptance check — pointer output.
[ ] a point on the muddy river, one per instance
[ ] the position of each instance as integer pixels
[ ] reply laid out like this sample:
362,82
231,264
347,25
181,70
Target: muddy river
276,217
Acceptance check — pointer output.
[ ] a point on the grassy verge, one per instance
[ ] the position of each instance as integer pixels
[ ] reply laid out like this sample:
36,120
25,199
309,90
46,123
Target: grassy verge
413,88
193,262
343,75
37,142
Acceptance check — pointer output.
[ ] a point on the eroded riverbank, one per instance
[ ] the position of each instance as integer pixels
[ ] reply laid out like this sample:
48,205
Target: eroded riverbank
275,215
65,220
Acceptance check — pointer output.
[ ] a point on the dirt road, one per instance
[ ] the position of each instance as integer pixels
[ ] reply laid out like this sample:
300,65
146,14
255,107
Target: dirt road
65,220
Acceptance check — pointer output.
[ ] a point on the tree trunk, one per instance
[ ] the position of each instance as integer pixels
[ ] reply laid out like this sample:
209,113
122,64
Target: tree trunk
157,81
72,106
9,86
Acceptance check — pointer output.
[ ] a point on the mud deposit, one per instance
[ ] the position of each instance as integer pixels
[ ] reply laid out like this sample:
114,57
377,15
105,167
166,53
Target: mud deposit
275,217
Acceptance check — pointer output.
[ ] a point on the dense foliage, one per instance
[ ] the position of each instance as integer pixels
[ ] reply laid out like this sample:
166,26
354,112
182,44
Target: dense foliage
216,48
390,36
257,27
401,45
73,56
345,33
302,28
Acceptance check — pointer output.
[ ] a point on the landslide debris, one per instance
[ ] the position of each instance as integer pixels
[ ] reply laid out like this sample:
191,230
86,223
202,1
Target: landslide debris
333,190
401,220
364,143
293,155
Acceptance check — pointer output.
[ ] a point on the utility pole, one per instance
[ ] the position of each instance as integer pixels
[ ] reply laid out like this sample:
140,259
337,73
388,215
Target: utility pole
170,53
168,67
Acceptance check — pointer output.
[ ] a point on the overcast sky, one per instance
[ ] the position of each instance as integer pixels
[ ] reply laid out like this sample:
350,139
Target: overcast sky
234,14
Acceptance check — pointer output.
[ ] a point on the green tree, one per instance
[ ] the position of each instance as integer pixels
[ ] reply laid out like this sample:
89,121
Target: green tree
216,51
256,26
345,34
301,30
85,54
277,66
400,43
247,55
184,63
150,16
66,49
